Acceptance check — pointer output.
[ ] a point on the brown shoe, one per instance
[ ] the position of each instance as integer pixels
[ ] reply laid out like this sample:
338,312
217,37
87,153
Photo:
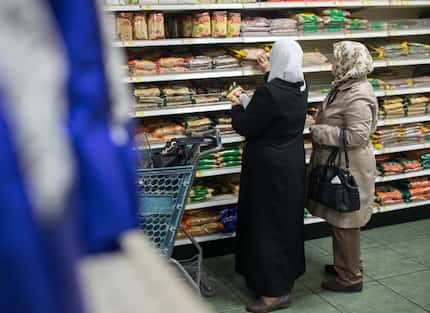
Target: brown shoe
260,307
329,269
333,285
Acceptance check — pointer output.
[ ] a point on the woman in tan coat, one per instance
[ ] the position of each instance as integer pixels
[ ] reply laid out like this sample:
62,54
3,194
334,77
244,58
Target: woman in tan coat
351,104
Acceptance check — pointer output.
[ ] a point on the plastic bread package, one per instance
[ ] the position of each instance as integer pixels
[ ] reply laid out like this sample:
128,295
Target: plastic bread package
156,26
233,24
201,25
219,24
140,26
124,26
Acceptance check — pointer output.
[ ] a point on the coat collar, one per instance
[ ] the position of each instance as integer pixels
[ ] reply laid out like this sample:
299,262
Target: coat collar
285,85
350,83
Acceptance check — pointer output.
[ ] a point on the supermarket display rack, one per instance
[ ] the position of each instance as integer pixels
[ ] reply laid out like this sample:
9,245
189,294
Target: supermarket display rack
231,199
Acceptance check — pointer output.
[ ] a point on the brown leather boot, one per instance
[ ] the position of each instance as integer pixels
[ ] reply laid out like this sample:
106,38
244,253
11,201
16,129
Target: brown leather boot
333,285
260,307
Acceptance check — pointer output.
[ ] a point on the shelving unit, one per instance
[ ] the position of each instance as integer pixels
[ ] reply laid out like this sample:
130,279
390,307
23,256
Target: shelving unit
309,220
241,72
396,7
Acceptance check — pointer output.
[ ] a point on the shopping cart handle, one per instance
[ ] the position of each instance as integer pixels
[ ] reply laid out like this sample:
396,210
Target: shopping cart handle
215,137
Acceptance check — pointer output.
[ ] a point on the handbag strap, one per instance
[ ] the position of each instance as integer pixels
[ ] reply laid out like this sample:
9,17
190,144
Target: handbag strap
342,148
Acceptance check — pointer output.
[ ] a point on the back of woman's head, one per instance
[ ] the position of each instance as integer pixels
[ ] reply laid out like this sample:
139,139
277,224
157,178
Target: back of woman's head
286,60
352,61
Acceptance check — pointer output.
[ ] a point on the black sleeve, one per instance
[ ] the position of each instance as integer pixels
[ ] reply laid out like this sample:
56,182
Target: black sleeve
266,76
257,117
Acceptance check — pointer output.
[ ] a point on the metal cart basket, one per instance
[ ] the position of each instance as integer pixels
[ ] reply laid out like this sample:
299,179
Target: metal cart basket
163,193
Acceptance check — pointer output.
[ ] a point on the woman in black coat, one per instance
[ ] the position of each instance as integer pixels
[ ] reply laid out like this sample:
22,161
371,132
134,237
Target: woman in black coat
270,243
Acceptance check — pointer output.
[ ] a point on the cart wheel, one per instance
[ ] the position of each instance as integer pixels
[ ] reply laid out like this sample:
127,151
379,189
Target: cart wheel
208,287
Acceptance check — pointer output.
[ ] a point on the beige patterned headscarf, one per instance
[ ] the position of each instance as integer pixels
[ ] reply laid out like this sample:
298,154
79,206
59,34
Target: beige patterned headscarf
353,61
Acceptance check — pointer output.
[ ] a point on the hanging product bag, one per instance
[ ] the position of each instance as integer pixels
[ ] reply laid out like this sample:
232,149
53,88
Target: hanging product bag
334,186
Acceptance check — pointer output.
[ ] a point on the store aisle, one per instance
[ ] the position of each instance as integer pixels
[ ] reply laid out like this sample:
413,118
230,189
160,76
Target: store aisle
397,276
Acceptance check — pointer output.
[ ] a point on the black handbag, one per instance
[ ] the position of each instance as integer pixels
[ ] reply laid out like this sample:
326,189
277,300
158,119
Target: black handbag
334,186
180,151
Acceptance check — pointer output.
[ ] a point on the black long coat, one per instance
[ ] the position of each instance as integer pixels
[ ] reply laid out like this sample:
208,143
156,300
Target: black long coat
270,243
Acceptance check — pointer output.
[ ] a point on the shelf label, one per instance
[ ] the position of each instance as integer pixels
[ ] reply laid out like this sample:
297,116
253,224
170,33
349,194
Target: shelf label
383,209
138,79
388,150
427,145
326,67
310,4
389,122
340,3
390,92
366,2
199,174
129,43
148,7
393,33
188,41
349,35
406,3
393,63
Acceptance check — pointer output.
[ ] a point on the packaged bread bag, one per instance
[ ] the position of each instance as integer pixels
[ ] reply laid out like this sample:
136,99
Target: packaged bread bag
124,26
233,24
140,26
219,24
156,26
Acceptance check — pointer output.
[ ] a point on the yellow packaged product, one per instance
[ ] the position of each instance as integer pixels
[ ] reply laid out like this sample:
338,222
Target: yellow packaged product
202,25
156,26
187,26
233,24
140,27
124,26
219,24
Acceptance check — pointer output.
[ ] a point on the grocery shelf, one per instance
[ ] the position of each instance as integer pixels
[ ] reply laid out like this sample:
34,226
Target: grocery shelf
308,221
220,200
197,108
260,39
220,236
381,179
238,72
389,150
266,5
404,120
225,106
401,206
219,171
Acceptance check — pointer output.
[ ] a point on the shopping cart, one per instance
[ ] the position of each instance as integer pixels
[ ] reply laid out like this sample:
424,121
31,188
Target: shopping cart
163,193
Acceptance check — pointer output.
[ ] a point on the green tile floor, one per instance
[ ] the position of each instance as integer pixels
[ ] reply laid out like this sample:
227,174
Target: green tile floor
397,276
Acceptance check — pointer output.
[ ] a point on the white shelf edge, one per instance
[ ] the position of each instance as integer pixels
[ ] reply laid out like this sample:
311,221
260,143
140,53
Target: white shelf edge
265,5
225,105
312,220
210,107
219,171
260,39
252,72
404,120
383,179
401,206
390,150
220,200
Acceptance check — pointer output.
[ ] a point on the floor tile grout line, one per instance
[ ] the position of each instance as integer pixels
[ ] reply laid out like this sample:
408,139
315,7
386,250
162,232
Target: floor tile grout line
403,274
329,303
404,297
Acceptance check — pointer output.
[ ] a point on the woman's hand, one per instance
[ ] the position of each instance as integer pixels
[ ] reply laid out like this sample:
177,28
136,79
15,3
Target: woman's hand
263,62
234,100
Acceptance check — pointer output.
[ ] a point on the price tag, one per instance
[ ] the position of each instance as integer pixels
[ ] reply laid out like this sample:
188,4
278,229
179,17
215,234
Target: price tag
393,63
326,67
148,7
311,4
393,33
349,35
140,114
406,3
383,209
340,3
390,92
188,41
388,150
389,122
129,43
367,2
199,173
427,145
138,79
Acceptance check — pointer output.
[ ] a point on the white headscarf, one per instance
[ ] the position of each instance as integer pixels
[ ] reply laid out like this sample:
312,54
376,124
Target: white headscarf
286,60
